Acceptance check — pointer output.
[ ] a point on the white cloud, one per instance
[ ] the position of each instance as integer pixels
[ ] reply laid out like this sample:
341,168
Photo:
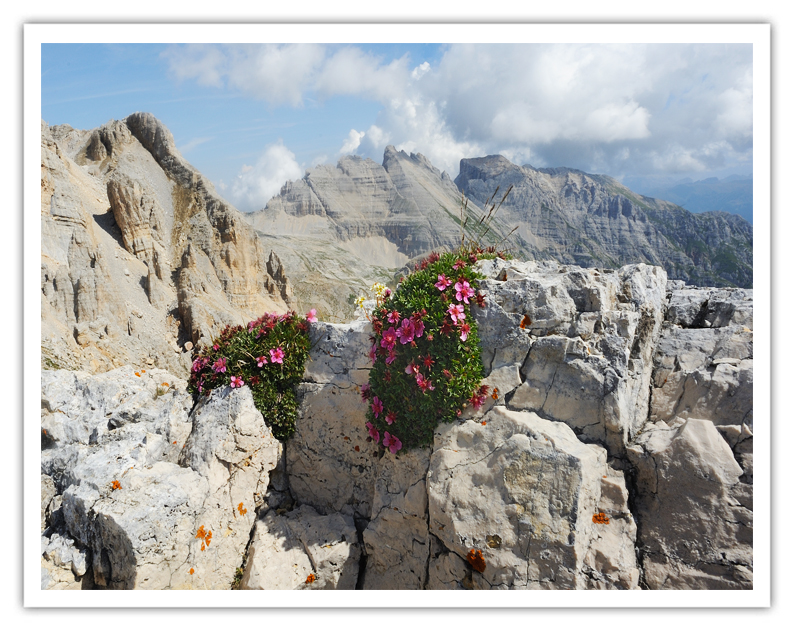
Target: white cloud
628,108
256,184
352,142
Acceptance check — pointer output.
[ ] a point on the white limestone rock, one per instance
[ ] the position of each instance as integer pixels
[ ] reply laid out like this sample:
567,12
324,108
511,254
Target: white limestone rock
330,458
396,539
583,340
523,491
302,550
694,514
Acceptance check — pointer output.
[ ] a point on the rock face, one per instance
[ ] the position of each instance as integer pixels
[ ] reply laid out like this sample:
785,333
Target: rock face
617,455
593,220
139,254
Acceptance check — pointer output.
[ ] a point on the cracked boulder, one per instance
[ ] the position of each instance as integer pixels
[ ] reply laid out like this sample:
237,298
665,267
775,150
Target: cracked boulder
302,550
396,539
703,364
174,525
518,502
574,345
694,514
330,458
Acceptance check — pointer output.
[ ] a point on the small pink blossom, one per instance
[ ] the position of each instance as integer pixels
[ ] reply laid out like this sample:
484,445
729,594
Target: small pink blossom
374,434
377,406
392,356
406,331
459,264
419,326
464,291
219,365
443,282
394,317
215,347
312,316
237,382
391,417
389,338
411,369
392,442
464,332
277,355
365,392
423,383
372,353
457,313
261,360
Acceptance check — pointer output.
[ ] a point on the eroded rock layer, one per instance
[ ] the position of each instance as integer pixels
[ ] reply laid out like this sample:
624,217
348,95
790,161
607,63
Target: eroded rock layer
616,455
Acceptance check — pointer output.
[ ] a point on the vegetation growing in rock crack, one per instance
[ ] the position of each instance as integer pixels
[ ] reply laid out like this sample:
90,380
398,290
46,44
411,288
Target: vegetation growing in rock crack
426,351
268,356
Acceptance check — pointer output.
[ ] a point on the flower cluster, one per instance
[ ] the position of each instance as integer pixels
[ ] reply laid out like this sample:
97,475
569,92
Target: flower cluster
381,293
268,356
425,353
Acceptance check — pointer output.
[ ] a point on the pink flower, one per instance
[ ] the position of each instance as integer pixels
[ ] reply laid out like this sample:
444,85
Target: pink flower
392,442
365,392
423,383
457,313
372,356
477,400
428,361
215,347
464,291
411,369
419,326
220,365
261,360
464,332
459,264
277,355
391,417
407,331
312,316
237,382
443,282
389,338
392,356
394,317
373,432
377,406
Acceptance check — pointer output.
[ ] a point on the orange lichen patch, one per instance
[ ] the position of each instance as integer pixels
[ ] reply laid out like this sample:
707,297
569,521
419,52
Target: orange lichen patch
600,518
241,510
165,383
205,536
346,437
311,578
477,562
483,423
525,322
116,485
356,448
143,371
495,394
44,431
137,374
191,571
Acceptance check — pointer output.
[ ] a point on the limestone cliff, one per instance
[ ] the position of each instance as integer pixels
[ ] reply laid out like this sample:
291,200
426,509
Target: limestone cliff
617,454
140,256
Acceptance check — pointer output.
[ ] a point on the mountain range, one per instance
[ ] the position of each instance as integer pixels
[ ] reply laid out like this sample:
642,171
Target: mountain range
142,259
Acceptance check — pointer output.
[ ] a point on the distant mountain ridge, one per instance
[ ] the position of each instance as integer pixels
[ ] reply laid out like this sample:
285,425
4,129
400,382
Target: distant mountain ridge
595,221
732,194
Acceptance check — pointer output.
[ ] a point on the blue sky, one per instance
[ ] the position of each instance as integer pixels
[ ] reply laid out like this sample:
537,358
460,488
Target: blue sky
252,116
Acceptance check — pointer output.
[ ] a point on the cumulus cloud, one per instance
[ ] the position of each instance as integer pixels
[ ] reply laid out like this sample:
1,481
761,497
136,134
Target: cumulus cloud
628,108
352,142
255,184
